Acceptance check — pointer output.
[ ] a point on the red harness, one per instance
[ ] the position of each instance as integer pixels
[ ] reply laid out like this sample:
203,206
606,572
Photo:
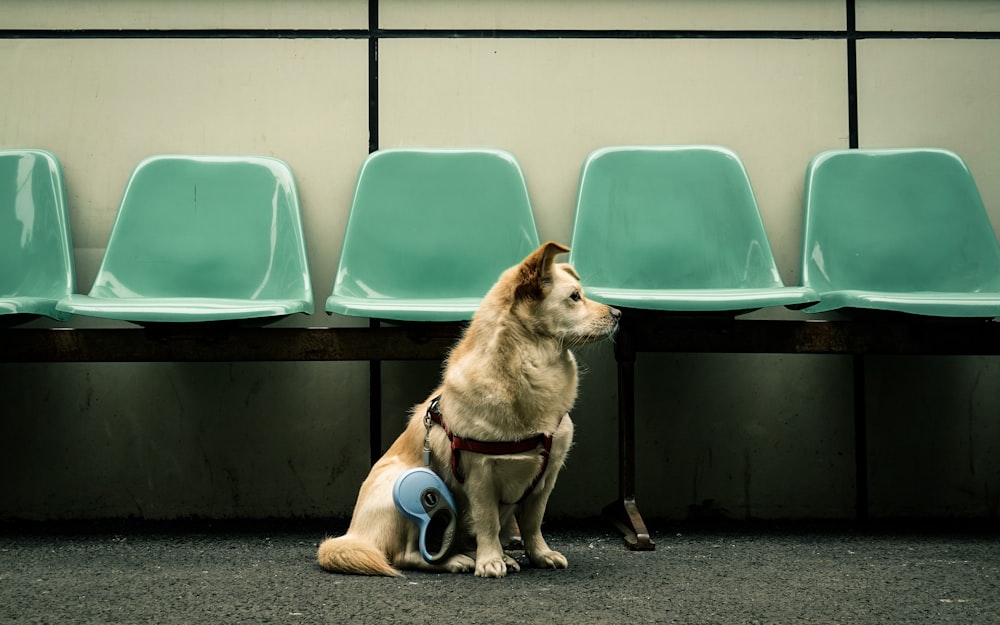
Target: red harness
495,448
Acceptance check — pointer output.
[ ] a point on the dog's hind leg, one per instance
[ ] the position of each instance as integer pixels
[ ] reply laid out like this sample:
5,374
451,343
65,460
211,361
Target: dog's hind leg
510,533
457,563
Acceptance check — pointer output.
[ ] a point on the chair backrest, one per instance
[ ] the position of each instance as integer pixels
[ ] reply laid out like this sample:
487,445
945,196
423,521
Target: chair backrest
207,226
434,223
36,257
897,220
669,217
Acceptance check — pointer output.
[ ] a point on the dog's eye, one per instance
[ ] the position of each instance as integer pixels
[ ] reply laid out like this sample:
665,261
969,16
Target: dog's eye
575,296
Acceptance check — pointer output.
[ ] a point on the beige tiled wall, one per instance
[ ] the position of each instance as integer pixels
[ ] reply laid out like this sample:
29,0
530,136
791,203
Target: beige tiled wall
928,15
601,14
184,14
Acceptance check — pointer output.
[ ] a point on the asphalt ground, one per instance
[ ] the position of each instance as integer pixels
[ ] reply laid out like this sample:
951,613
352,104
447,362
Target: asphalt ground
266,573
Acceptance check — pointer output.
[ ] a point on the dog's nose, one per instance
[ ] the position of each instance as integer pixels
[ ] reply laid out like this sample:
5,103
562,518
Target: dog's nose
615,313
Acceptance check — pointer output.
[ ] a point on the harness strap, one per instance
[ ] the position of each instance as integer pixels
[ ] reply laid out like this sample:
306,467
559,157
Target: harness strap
492,448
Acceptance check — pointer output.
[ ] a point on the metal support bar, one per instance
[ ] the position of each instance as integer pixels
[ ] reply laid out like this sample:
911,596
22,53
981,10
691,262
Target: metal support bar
860,439
887,335
374,404
212,343
427,341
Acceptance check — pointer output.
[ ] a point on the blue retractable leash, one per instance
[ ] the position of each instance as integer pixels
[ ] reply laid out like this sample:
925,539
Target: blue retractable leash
423,496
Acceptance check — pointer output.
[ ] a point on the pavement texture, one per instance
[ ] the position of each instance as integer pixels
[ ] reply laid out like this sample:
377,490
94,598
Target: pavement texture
266,573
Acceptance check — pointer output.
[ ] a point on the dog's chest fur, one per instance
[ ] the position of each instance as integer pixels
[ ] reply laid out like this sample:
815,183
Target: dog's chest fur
509,395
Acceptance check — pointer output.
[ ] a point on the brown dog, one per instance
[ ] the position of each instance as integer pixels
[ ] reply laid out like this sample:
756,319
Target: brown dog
512,377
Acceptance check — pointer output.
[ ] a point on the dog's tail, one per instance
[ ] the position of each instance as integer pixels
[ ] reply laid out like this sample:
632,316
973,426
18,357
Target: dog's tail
354,555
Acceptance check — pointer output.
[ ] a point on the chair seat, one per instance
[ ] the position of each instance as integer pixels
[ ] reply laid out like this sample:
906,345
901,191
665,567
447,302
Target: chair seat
938,304
181,309
703,300
429,231
901,230
675,228
203,238
405,309
26,305
36,255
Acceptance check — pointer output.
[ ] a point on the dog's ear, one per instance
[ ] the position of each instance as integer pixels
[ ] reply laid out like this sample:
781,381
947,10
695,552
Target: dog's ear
536,270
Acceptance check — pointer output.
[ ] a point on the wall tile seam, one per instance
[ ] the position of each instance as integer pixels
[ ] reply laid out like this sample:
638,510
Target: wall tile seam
395,33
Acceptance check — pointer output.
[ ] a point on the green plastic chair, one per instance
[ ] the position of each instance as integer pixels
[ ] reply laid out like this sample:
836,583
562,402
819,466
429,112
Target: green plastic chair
674,228
429,232
900,230
36,255
203,238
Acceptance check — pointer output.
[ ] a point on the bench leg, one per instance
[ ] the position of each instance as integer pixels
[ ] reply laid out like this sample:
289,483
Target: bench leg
624,513
374,405
860,439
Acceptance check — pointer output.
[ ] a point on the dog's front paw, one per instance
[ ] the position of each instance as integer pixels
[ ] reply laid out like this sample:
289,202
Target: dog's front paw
494,567
548,559
459,563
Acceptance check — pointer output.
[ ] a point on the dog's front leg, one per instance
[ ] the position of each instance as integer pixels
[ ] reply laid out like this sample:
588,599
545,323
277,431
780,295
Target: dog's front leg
484,513
533,507
530,518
